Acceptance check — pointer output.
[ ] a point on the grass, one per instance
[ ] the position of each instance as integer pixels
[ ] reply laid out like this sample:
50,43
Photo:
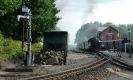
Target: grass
10,49
84,56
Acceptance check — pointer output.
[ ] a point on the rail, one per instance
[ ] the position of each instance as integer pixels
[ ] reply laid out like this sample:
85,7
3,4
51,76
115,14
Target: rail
69,73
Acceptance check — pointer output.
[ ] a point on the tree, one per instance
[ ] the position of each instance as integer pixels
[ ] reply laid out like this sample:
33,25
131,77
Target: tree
107,24
57,29
43,19
84,38
9,6
87,31
9,24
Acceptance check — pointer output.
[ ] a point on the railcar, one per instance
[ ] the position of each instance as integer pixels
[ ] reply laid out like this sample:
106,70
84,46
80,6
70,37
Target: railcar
87,45
113,44
128,47
55,45
118,45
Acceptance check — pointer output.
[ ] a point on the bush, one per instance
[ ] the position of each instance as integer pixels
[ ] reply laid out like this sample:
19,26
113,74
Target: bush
36,48
10,49
1,39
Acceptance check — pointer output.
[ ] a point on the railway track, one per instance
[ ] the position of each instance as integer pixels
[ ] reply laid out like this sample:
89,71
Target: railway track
78,51
114,60
117,61
121,63
69,73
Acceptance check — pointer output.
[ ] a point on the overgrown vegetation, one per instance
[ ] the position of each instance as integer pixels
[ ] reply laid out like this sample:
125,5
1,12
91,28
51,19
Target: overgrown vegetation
10,49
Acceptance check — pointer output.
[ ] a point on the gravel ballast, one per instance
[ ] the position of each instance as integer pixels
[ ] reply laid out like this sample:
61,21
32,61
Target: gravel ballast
75,60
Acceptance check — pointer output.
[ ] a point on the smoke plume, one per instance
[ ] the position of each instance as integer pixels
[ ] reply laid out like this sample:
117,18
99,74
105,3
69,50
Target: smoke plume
94,30
61,4
91,5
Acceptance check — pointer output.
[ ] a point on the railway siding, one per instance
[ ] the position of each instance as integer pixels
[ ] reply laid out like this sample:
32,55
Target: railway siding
123,56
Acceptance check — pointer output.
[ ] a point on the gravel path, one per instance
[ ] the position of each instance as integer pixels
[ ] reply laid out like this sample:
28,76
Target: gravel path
115,77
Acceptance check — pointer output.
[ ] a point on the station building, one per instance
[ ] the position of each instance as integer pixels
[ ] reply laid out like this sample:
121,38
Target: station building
108,33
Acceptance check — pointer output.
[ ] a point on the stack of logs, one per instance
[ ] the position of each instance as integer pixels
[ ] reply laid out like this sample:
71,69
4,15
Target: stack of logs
51,57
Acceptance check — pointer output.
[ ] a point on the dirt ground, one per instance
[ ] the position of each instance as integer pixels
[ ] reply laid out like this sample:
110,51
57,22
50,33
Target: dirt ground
9,64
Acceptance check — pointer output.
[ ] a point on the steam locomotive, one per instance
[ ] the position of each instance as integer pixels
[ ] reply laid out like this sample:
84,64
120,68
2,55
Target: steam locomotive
93,44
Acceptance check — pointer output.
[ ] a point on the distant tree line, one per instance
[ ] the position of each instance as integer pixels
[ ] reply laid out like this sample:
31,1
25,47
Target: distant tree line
43,18
87,30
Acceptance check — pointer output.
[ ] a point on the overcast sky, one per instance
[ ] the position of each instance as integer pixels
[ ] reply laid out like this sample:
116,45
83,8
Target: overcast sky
75,13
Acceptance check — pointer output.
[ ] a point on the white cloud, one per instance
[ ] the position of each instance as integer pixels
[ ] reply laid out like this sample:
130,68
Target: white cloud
71,18
116,12
71,23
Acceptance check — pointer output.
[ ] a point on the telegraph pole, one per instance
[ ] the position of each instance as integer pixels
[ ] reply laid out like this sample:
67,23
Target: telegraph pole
23,28
129,47
119,34
129,30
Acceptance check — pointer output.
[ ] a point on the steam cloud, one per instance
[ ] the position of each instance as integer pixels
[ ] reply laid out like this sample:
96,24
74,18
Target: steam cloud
91,4
61,4
94,30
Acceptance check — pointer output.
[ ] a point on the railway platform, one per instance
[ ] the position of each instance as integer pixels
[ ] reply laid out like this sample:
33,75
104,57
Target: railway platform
124,56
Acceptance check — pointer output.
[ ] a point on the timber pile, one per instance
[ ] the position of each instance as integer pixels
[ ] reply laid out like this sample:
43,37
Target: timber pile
51,57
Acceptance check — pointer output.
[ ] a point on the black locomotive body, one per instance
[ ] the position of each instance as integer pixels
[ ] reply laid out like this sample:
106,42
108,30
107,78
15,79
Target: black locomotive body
93,44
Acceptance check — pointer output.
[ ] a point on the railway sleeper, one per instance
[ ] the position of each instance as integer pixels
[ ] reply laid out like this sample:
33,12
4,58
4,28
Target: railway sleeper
66,74
131,68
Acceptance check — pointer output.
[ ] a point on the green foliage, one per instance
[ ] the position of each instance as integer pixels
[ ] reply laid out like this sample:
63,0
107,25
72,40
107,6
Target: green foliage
9,6
10,49
9,24
1,39
85,32
36,48
57,29
84,38
124,30
43,18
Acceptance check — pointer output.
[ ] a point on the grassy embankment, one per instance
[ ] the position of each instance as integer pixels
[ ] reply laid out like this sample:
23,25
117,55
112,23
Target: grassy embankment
10,49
